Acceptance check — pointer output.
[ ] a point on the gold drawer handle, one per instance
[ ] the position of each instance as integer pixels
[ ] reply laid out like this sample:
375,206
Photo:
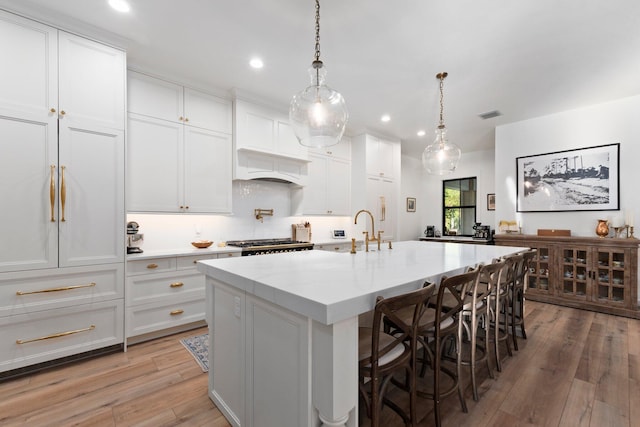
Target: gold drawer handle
176,312
52,192
57,335
64,288
63,193
152,266
176,284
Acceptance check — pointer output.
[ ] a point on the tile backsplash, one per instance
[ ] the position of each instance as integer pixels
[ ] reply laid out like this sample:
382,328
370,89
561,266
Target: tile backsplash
176,231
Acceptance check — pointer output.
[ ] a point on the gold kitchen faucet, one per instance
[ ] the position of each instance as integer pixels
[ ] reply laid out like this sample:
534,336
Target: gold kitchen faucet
373,230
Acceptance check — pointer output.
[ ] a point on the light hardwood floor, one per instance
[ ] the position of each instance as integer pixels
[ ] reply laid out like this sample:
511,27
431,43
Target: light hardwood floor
577,368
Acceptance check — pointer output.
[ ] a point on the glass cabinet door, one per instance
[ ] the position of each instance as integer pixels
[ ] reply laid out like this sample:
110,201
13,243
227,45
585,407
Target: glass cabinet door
539,271
574,262
610,276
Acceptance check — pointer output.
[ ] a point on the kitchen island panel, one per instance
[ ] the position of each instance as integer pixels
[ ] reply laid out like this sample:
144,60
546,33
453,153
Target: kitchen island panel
289,321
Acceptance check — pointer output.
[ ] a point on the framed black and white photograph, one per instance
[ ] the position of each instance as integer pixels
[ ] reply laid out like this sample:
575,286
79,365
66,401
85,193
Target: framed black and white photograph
585,179
491,202
411,204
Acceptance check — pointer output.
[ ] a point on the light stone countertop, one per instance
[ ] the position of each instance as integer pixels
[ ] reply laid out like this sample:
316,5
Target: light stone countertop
185,251
330,286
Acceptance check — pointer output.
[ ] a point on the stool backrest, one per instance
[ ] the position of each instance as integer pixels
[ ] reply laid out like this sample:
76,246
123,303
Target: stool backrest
416,301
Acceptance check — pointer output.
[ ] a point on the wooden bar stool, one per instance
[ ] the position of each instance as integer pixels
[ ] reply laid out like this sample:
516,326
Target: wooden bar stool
517,295
476,317
441,324
381,355
499,308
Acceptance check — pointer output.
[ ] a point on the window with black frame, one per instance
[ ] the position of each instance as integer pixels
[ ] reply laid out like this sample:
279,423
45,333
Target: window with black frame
458,206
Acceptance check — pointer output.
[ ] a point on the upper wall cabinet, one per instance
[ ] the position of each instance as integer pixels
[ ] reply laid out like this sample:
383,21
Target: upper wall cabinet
265,130
381,157
328,191
164,100
265,145
179,149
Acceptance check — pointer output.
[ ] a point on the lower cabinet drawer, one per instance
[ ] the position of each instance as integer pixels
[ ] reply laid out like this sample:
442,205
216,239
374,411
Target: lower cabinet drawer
39,290
163,315
27,339
167,287
151,265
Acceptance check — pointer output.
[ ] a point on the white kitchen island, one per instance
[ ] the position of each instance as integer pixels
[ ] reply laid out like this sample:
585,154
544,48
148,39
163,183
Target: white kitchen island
283,328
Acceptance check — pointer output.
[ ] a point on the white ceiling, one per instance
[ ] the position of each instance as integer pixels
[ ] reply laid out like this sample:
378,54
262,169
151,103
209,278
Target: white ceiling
525,58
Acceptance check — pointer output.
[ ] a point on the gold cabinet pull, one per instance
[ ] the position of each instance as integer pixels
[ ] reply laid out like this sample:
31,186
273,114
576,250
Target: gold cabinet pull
181,118
63,193
152,266
186,119
176,284
62,112
56,335
53,110
176,312
63,288
52,192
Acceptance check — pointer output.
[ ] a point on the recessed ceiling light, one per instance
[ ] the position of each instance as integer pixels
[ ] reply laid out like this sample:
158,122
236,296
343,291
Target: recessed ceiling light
256,63
421,133
120,5
385,118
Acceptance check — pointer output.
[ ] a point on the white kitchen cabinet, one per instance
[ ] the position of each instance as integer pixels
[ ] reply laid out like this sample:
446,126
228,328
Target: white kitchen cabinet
382,202
176,168
91,84
380,155
328,188
164,295
343,246
62,171
375,183
176,165
165,100
265,145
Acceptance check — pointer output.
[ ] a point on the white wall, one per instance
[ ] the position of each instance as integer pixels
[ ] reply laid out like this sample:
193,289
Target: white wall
613,122
410,224
415,180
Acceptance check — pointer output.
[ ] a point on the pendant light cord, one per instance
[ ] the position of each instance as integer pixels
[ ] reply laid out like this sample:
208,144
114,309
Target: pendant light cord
317,55
441,76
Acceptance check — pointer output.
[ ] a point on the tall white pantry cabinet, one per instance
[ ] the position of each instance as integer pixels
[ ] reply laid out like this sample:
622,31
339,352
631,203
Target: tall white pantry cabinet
62,117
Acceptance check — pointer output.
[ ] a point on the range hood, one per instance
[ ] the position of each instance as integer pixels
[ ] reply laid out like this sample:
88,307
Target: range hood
250,164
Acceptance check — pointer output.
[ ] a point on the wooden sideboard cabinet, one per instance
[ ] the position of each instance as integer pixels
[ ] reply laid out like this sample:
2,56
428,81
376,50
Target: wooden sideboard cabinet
599,274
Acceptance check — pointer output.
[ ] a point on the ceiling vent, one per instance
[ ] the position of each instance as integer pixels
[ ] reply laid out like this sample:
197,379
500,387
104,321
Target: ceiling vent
489,114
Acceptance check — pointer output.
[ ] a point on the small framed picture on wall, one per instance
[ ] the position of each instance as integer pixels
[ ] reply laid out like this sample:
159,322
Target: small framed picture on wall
491,202
411,204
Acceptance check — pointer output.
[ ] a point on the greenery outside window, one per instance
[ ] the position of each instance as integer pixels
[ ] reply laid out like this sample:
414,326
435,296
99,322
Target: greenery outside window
459,206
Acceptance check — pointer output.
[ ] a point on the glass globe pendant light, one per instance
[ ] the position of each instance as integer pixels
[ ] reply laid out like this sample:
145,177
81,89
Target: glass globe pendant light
318,114
441,157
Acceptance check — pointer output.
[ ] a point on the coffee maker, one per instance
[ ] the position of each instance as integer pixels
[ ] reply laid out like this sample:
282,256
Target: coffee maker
134,239
482,232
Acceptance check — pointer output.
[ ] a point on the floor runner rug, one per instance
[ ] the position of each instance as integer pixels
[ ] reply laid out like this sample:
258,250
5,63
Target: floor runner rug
198,346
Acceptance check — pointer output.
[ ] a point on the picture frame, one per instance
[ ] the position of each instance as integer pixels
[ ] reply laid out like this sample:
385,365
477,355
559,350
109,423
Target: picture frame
491,202
411,204
584,179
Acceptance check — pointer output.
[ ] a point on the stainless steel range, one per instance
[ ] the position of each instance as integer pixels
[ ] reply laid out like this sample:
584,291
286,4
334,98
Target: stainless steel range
269,246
